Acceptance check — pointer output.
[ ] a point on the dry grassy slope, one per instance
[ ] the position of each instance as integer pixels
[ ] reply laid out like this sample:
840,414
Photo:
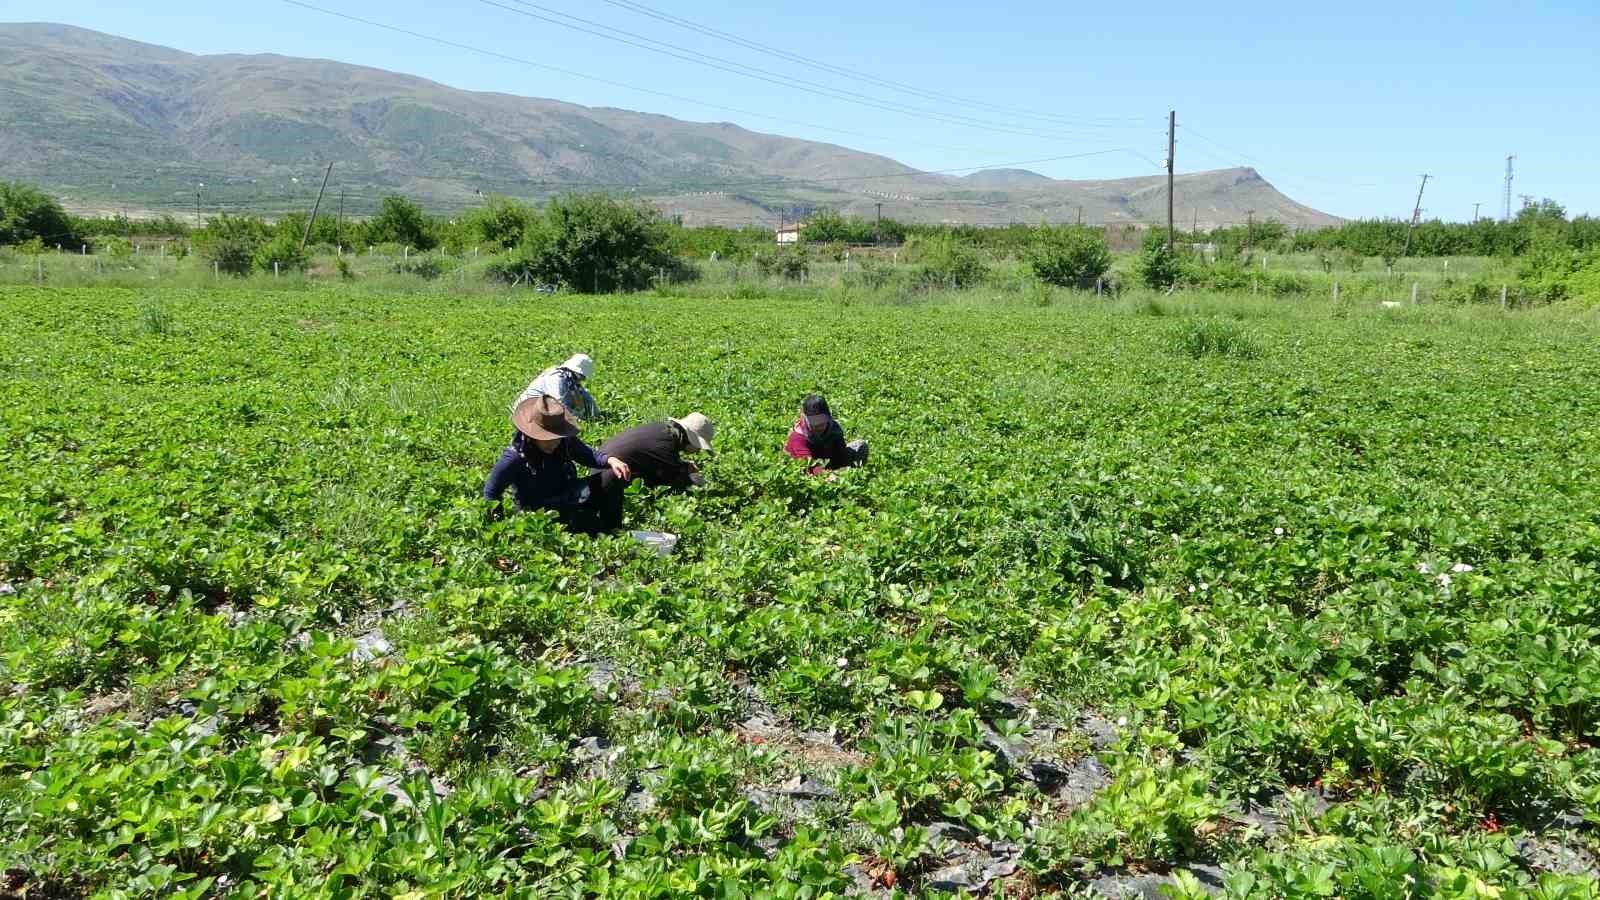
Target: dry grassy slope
99,118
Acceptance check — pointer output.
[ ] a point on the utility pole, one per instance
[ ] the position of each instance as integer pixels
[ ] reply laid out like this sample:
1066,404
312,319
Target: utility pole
1249,228
1416,216
1507,216
1172,146
315,206
877,226
1475,212
338,225
1194,229
1080,214
197,189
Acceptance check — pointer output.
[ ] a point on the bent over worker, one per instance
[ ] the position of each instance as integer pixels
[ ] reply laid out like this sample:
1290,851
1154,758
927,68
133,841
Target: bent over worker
565,383
816,435
654,451
539,468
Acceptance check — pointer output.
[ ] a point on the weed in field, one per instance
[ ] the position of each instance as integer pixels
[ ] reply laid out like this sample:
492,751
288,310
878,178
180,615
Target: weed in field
1215,337
155,319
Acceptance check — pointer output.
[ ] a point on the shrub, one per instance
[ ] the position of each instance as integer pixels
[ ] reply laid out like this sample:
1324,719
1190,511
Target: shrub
791,263
1215,337
27,213
592,242
231,242
425,267
1222,275
284,251
1285,284
399,221
947,262
1069,257
1159,267
871,273
500,223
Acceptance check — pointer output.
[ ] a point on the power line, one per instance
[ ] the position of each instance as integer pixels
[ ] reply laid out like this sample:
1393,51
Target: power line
863,76
675,51
1291,176
598,79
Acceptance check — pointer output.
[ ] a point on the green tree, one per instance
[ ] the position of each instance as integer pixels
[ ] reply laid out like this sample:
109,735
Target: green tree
399,221
1158,267
231,242
499,223
1068,256
947,261
27,213
591,242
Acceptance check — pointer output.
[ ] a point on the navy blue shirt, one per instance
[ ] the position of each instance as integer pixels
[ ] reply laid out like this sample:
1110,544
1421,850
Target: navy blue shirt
542,480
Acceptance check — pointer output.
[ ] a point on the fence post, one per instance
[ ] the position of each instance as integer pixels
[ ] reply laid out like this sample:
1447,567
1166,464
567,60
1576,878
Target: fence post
1099,286
216,270
85,249
274,268
1413,293
1336,292
1502,296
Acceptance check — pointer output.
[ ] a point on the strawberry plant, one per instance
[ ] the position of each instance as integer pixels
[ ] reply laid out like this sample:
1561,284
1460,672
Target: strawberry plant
1310,600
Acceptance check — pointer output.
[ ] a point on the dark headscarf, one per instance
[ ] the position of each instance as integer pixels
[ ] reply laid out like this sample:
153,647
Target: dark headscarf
819,439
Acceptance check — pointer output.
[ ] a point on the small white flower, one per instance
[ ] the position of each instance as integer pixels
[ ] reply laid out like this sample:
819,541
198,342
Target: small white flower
1425,568
1461,567
1191,588
1205,587
1122,721
1278,531
844,661
1444,580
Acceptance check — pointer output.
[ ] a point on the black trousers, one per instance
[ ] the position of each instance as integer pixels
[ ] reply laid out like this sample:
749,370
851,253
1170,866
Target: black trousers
596,507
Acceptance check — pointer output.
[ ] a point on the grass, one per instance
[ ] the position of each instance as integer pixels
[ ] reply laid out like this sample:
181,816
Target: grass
1215,337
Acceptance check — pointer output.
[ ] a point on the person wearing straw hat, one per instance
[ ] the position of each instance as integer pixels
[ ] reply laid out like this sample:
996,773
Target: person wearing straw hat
538,468
654,451
817,436
565,383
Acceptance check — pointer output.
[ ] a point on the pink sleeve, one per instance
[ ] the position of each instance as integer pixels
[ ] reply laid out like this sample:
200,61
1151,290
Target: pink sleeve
797,446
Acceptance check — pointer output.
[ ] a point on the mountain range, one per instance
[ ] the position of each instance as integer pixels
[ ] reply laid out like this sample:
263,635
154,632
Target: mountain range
107,122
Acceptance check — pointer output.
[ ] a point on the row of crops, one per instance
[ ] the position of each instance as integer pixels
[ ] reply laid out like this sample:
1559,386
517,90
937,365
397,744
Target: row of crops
1279,601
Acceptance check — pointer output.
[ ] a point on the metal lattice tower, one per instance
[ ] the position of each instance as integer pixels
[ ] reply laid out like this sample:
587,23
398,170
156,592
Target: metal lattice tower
1507,216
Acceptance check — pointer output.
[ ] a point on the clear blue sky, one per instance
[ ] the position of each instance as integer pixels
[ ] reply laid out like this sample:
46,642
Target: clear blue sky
1342,105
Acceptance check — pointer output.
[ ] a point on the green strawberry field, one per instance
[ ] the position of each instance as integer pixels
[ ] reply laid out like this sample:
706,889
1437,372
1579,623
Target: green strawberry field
1154,597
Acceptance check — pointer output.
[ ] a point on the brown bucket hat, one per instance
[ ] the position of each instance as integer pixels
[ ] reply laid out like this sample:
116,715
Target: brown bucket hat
544,418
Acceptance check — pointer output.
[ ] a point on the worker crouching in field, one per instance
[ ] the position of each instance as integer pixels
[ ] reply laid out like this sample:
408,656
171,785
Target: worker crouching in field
654,452
539,469
817,436
565,383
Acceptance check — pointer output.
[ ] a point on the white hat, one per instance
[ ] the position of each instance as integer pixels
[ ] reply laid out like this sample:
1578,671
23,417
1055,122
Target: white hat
580,363
698,428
